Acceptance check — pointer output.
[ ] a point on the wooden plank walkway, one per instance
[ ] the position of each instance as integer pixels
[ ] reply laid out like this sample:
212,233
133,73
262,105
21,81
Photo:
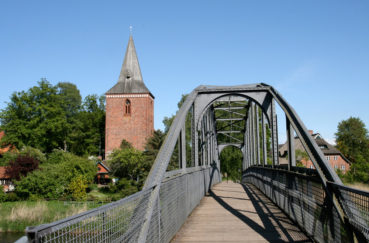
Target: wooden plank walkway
238,213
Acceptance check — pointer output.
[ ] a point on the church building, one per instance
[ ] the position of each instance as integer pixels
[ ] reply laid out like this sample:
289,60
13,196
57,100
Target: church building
129,106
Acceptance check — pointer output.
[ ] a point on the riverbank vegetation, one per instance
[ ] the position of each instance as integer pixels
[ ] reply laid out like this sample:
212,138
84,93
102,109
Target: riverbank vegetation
16,216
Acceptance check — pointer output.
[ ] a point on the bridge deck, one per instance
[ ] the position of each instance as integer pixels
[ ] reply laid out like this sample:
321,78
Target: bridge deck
236,213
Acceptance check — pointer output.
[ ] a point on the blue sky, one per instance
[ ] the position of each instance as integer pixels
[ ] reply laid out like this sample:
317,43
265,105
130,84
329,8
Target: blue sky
316,53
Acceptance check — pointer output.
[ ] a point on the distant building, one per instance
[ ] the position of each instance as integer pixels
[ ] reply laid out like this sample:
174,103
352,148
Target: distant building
129,106
6,180
334,157
3,149
102,175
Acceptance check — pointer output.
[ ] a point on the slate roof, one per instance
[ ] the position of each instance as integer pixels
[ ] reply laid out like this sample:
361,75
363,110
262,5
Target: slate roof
130,79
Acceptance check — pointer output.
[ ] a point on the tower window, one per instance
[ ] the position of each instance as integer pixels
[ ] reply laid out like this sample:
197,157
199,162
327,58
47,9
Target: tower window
127,108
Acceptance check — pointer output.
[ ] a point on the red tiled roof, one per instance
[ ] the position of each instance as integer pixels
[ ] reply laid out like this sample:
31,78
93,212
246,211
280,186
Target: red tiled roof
5,149
3,174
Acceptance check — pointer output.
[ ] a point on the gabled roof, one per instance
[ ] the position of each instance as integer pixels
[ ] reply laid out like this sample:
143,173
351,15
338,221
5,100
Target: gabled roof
103,165
130,79
326,147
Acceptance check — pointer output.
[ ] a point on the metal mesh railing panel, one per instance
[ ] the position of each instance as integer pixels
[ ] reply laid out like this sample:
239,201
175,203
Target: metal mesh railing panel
178,197
119,221
356,206
302,198
122,221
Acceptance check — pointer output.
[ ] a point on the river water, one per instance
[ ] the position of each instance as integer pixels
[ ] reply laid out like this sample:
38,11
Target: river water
10,237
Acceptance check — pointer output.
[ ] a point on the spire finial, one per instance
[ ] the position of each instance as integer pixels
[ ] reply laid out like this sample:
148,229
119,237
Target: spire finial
130,30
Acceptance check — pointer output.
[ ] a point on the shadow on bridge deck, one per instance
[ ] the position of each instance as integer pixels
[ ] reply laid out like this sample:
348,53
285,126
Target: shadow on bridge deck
238,213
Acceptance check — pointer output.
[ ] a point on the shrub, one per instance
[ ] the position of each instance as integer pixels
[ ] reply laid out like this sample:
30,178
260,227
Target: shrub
7,157
12,197
34,153
21,166
52,180
77,188
2,194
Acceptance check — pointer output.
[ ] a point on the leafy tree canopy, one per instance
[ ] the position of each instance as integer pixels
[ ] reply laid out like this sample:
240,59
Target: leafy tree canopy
47,117
129,163
125,144
352,139
231,163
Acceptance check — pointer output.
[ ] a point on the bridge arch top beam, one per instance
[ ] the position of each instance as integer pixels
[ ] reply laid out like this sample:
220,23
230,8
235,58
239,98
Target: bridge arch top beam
206,98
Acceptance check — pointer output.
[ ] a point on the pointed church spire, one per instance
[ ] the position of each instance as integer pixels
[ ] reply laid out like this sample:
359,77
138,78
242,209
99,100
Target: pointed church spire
130,68
130,78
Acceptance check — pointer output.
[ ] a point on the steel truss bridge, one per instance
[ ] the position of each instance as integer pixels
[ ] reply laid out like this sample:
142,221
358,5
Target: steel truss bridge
210,119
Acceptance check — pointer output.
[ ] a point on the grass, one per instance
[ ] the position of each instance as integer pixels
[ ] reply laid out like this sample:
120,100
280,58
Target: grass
359,186
97,195
16,216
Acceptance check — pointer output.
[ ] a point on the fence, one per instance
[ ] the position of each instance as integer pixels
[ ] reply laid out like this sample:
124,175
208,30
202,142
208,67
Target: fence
301,196
121,221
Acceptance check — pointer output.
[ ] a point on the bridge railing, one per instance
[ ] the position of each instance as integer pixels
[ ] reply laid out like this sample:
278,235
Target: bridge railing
301,195
122,221
356,205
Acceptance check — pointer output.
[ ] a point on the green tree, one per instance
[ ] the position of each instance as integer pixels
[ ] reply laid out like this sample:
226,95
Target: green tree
231,163
125,145
35,118
70,101
70,97
47,117
88,138
129,163
153,145
352,139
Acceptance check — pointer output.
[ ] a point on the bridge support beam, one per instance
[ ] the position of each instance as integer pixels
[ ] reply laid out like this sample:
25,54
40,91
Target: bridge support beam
274,127
290,144
257,135
183,148
265,159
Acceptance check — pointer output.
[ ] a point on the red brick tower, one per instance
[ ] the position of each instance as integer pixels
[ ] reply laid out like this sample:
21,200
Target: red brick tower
129,106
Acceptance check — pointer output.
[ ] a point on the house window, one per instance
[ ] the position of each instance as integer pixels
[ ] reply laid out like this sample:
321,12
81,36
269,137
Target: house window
327,157
127,108
335,157
311,167
343,167
336,167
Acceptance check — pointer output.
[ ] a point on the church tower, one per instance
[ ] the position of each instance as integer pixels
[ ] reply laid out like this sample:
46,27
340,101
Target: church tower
129,106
